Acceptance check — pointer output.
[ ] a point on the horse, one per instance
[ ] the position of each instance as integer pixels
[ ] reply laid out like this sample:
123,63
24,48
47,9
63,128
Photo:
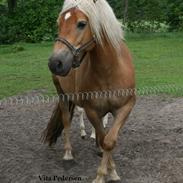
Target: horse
82,124
90,55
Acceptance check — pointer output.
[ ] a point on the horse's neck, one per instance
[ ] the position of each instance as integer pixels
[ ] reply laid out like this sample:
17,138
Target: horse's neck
103,59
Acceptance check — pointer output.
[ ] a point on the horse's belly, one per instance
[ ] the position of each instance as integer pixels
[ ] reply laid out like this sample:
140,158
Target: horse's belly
104,106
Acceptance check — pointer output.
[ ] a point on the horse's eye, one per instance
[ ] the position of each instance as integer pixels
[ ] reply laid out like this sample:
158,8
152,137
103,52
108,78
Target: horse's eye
81,25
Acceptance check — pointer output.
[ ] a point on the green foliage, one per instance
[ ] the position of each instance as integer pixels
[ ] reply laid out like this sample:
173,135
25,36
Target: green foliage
155,12
147,26
149,10
2,1
175,14
117,6
33,21
145,15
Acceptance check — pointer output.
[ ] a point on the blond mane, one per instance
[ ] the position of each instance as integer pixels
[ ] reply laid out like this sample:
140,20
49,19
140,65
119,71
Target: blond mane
102,19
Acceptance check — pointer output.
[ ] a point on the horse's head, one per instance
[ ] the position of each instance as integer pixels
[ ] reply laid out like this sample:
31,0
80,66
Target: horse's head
74,41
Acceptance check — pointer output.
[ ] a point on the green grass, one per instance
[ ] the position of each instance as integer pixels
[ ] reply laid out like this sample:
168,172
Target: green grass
25,70
158,59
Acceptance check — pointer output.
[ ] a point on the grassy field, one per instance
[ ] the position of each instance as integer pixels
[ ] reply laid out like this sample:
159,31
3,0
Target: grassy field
158,59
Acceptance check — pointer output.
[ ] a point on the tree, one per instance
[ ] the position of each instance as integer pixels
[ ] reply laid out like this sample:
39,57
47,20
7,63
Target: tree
117,7
12,5
125,15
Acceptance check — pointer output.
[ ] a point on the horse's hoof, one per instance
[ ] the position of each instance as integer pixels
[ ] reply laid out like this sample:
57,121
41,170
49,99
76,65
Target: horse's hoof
83,134
68,155
101,180
114,176
68,158
92,136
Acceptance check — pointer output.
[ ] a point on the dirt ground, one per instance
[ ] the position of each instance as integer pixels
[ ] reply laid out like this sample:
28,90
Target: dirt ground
149,149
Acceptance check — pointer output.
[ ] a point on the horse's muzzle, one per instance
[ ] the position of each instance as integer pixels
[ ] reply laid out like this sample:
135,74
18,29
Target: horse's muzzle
60,63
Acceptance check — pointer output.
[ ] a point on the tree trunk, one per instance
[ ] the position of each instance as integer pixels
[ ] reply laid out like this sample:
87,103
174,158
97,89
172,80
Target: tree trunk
12,5
125,16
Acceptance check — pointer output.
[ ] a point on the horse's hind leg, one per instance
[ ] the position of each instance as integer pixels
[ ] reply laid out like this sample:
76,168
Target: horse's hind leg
105,122
81,121
93,134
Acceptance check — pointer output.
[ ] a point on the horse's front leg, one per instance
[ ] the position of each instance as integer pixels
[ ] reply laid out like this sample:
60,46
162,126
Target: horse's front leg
100,131
60,121
111,137
107,166
66,120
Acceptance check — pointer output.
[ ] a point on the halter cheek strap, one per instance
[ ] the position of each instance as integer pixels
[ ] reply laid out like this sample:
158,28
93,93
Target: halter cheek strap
77,51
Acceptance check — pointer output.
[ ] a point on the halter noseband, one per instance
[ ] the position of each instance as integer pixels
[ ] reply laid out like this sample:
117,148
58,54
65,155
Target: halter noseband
77,51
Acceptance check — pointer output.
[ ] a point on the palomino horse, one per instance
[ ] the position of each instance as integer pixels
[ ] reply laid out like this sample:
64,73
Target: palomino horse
90,55
82,124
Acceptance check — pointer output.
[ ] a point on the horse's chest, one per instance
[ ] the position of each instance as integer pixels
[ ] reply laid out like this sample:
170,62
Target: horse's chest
105,105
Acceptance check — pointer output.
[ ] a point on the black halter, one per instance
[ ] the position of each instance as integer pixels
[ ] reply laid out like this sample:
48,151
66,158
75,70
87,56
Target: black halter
77,51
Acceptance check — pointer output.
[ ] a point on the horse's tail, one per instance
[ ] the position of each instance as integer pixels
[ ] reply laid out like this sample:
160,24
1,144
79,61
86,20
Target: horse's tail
54,128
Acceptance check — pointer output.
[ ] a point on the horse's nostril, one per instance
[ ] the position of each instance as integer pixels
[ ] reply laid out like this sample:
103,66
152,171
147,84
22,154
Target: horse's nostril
59,65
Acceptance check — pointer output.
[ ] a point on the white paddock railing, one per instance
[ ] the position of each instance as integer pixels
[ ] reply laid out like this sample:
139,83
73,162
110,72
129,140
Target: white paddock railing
90,95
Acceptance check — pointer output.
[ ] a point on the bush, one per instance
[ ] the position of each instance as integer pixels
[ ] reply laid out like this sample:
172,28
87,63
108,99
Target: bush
175,15
33,21
8,31
147,27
